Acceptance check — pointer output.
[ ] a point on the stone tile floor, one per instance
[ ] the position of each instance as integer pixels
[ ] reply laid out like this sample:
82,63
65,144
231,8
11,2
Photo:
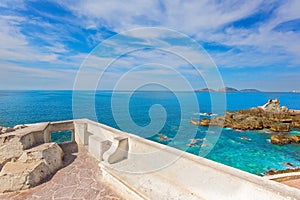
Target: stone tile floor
80,178
293,183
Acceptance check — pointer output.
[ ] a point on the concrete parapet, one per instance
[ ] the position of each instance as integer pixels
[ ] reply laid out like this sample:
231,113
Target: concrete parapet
58,126
98,146
142,169
155,171
118,150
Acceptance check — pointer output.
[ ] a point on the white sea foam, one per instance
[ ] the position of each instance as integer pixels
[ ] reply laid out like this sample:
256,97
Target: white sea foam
205,114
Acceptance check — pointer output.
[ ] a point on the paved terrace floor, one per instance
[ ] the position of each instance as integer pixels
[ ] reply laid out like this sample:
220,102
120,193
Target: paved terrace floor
293,183
79,179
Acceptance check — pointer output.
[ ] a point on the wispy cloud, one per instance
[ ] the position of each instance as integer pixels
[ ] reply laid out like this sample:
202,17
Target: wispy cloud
205,21
261,35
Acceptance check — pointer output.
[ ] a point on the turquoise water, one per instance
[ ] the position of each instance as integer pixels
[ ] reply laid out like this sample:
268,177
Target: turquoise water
61,136
255,155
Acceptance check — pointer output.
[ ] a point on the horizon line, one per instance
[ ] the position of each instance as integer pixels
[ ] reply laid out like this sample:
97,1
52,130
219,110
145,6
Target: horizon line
196,90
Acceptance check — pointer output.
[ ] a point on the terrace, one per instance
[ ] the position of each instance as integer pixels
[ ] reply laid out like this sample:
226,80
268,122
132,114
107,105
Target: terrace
101,162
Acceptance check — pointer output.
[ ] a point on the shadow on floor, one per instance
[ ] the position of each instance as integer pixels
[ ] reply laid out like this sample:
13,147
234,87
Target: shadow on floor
69,149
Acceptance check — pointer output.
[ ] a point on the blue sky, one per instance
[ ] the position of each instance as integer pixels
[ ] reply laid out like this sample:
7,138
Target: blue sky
254,44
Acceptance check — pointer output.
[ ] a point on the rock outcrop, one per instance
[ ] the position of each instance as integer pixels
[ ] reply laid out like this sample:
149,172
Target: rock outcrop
282,139
9,129
273,106
269,116
33,166
203,122
283,171
25,160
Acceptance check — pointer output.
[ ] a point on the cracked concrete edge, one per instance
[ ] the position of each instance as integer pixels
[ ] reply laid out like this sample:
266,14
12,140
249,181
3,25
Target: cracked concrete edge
119,186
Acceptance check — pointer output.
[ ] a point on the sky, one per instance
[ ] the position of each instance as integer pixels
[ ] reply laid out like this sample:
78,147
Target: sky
88,44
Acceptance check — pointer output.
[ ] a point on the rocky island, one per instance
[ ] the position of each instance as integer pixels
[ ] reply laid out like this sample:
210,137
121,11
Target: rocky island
250,90
205,90
272,116
226,89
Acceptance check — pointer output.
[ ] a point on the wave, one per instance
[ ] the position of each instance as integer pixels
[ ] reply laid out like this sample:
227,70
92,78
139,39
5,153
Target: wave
205,114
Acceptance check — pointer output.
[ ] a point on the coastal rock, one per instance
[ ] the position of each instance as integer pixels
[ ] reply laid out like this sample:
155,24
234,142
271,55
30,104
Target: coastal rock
248,123
282,139
274,171
11,149
295,138
296,124
12,145
7,129
271,105
204,122
218,121
19,126
33,166
280,127
194,122
269,116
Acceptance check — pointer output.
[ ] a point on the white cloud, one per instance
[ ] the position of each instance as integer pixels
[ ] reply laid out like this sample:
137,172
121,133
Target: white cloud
205,21
189,17
14,76
17,4
15,46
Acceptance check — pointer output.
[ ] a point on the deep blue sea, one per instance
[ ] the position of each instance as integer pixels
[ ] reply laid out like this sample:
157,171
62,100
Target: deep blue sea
163,117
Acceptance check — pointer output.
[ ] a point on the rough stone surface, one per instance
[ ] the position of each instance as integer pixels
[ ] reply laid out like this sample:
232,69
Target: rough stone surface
272,105
282,139
204,122
9,129
13,144
80,178
270,116
33,166
295,138
19,126
280,127
10,151
296,124
289,170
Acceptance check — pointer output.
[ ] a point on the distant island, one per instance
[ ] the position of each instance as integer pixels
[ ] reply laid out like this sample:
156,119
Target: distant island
205,90
250,90
296,91
226,89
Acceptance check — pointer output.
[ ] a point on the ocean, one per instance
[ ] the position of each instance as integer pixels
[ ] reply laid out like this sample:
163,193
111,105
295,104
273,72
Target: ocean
163,117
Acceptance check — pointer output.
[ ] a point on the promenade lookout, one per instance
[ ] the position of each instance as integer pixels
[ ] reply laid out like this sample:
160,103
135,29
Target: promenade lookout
109,163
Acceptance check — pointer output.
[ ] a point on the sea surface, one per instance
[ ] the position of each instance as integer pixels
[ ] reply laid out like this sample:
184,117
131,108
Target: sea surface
163,116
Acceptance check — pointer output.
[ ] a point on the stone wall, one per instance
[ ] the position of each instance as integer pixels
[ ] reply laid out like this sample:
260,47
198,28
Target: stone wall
139,168
155,171
27,156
